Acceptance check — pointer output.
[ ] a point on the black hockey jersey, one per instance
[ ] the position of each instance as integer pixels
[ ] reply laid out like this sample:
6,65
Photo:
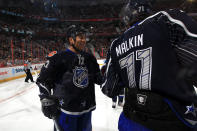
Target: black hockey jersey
149,58
70,77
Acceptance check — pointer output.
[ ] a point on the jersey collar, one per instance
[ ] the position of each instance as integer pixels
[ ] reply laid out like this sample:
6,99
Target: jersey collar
68,50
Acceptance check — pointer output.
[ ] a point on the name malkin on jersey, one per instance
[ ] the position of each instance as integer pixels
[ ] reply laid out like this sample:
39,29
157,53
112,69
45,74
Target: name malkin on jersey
132,42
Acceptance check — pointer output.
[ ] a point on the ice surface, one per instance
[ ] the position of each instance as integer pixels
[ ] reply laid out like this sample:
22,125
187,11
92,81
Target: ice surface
20,109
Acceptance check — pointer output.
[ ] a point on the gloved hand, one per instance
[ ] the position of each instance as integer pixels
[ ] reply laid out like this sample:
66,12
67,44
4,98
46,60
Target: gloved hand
50,107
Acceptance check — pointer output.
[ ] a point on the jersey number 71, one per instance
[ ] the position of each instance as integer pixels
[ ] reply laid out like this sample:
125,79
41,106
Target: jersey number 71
128,62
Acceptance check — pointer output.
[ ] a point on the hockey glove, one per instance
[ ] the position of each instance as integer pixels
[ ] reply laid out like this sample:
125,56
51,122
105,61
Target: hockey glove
50,108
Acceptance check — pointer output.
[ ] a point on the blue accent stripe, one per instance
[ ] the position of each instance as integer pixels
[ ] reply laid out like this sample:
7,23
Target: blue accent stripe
177,114
126,124
68,50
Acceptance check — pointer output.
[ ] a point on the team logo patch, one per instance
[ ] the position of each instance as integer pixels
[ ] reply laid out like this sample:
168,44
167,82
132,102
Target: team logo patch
141,99
61,102
52,53
191,109
80,78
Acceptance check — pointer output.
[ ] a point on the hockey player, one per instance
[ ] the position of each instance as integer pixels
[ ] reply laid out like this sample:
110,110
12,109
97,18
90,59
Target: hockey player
66,84
27,69
157,61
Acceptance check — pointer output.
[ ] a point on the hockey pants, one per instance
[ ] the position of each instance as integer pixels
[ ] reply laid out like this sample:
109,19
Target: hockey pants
75,122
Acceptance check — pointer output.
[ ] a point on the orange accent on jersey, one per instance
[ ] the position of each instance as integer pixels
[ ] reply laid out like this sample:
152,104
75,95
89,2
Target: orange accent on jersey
52,53
25,64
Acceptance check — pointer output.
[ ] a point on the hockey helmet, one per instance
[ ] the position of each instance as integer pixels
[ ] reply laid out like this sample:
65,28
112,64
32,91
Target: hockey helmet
136,10
75,30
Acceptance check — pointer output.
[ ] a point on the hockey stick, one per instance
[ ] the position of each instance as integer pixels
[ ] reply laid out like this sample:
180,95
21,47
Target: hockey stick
57,126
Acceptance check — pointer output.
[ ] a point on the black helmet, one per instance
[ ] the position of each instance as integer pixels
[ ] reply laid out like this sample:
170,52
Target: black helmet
136,10
75,30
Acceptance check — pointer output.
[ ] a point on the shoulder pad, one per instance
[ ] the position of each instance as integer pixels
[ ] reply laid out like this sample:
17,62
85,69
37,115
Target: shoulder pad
52,53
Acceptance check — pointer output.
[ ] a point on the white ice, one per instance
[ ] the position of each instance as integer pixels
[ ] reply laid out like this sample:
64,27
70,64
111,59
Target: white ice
20,109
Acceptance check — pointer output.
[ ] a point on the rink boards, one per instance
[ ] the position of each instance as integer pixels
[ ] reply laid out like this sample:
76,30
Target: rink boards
15,72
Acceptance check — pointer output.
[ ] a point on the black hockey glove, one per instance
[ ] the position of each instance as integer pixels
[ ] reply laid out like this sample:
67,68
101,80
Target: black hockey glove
50,107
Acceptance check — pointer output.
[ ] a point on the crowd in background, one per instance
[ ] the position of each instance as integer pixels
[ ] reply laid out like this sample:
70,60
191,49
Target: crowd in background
25,31
14,50
63,11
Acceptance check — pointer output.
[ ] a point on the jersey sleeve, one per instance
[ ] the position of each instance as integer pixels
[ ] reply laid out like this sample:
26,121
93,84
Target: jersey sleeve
183,36
47,76
97,72
110,86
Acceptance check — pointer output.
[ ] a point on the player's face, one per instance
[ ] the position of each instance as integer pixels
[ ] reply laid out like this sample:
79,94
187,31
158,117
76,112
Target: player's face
80,41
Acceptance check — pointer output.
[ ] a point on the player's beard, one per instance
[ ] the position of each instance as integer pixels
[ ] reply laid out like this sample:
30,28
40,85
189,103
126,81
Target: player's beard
76,48
79,46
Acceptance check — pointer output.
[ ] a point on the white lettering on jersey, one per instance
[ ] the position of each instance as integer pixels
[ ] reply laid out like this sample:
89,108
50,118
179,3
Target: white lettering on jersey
132,42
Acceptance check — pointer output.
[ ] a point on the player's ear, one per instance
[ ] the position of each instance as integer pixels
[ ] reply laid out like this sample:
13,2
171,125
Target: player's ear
71,40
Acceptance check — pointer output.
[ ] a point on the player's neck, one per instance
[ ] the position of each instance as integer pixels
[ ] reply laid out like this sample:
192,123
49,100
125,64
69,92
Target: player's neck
72,49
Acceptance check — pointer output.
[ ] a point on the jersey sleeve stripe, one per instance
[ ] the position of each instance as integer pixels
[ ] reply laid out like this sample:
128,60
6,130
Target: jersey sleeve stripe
44,88
106,73
195,55
108,64
172,20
